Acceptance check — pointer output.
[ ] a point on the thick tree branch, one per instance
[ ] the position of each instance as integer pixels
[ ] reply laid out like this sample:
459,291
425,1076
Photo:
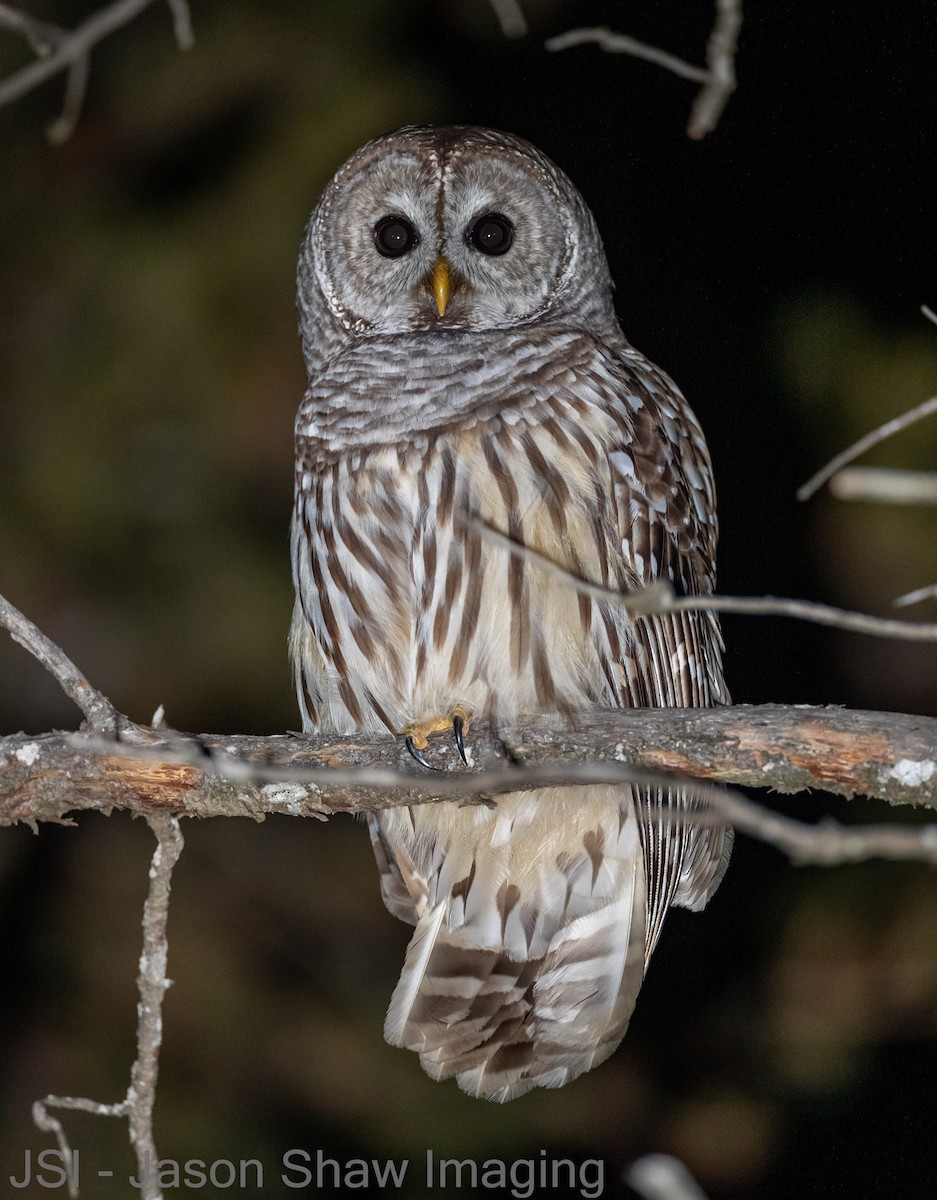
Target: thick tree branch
884,755
148,770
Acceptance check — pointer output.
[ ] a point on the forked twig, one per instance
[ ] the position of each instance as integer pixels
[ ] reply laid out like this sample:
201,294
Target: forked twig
101,714
889,429
720,59
137,1105
717,77
70,50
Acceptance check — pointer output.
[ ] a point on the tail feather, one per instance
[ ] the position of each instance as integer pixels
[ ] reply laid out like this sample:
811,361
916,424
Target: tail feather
529,951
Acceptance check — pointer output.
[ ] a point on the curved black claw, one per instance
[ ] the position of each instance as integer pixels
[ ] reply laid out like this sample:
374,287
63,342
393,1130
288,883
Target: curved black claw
458,723
414,753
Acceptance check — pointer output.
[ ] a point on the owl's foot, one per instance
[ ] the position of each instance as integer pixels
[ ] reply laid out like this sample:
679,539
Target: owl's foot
419,731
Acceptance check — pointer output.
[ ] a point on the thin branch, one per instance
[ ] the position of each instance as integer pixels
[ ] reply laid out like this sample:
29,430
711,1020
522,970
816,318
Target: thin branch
44,1121
101,714
717,77
621,43
510,18
885,485
915,597
43,36
182,23
815,482
151,986
720,58
63,50
76,86
659,597
137,1105
662,1177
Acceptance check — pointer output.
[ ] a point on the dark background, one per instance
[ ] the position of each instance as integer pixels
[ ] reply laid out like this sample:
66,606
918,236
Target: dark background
784,1042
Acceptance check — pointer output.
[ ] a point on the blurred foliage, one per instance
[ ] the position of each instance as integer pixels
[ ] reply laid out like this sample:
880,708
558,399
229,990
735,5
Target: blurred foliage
784,1042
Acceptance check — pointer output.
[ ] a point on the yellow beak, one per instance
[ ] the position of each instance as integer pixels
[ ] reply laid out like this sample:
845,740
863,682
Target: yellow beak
441,285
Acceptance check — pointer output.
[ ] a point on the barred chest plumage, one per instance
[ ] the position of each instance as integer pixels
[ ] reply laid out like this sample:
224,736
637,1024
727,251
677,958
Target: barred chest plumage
378,545
592,458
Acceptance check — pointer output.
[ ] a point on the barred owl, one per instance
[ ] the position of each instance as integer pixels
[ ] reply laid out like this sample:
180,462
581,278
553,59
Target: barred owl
464,358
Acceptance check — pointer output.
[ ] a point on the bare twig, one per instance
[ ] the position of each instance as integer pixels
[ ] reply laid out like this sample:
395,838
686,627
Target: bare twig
101,714
806,490
151,986
44,1120
137,1105
915,597
43,36
720,58
717,78
510,17
182,23
885,485
64,50
662,1177
76,85
621,43
659,597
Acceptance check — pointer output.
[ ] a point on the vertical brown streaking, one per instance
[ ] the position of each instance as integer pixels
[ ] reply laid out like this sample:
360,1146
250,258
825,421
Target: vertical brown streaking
308,703
380,713
451,590
471,604
429,567
447,485
350,700
517,588
556,490
543,676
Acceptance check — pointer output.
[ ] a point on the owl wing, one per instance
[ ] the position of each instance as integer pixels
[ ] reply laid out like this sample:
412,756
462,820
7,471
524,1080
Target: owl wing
665,511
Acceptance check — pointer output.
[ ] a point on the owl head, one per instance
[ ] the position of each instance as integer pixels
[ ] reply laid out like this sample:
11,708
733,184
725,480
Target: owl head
449,229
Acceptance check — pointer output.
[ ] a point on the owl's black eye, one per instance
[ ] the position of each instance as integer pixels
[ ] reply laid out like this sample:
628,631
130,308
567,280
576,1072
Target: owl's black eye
394,236
492,234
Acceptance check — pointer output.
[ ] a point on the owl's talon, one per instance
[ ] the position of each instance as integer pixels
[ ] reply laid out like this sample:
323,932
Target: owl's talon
416,734
458,724
414,753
